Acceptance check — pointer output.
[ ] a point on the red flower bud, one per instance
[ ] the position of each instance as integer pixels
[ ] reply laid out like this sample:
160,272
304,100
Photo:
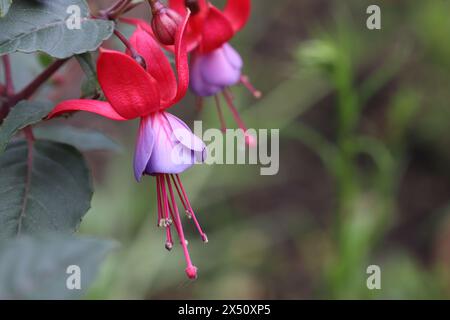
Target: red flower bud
165,23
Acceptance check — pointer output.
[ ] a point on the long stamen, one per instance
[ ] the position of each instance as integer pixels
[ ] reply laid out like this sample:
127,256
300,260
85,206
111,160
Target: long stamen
158,194
223,124
234,111
191,270
246,82
199,102
178,184
249,139
167,221
183,202
175,221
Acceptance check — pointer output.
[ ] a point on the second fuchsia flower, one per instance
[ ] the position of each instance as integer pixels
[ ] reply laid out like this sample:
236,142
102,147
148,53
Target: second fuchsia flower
215,64
165,145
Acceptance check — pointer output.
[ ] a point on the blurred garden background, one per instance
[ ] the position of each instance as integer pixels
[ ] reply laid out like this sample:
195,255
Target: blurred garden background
364,166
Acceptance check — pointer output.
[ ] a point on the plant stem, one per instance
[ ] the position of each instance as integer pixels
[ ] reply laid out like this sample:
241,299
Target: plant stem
9,86
127,43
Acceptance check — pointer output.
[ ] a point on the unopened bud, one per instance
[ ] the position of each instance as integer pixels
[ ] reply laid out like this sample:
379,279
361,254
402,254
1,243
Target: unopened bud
165,23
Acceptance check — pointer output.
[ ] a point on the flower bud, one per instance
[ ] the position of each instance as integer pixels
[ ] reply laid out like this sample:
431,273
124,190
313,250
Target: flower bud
165,23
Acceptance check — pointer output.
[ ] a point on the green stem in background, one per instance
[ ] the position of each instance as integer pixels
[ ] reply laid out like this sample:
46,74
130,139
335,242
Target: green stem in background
348,116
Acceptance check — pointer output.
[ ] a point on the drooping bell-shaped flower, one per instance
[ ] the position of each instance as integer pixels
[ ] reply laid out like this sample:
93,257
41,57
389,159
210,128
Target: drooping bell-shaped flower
213,72
165,145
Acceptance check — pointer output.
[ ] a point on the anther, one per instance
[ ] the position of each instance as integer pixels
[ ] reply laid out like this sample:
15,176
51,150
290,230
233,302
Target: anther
246,82
169,245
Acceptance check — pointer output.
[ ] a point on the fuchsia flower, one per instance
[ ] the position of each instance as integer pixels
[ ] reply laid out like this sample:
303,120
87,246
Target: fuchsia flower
215,64
165,145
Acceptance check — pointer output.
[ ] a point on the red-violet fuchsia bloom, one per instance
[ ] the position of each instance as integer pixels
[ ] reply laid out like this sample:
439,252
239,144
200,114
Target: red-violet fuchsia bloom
165,145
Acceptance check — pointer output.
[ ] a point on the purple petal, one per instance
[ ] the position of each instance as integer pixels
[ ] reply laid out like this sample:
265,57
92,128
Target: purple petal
144,147
233,56
197,84
169,155
184,134
217,69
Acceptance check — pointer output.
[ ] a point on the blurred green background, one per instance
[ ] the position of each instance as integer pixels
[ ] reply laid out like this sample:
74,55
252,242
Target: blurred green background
364,167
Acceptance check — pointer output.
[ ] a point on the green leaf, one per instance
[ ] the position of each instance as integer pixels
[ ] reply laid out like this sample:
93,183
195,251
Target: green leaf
22,115
37,267
41,26
82,139
4,7
90,86
51,192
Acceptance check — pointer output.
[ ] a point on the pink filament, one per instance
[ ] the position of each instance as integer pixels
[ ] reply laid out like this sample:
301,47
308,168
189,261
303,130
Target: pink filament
169,240
158,194
246,82
191,270
234,111
184,198
249,139
223,125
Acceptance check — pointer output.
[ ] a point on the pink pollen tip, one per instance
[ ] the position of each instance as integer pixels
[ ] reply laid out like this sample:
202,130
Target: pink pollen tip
191,272
246,82
169,245
250,140
257,94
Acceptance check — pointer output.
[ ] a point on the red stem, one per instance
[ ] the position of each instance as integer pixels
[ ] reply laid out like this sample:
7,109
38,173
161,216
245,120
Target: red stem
127,43
9,86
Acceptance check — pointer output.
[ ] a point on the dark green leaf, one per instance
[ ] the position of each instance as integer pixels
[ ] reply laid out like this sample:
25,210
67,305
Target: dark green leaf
53,193
82,139
23,114
41,26
37,267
